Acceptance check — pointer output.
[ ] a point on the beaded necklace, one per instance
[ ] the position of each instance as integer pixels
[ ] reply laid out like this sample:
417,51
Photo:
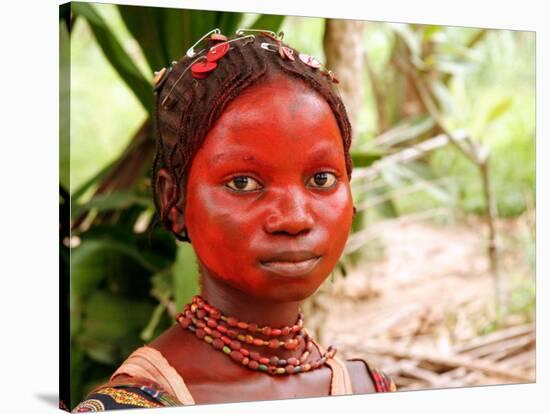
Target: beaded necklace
230,336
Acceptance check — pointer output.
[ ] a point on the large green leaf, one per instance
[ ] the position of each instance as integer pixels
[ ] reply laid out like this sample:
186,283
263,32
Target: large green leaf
116,55
165,34
111,326
111,201
269,22
146,25
110,317
64,104
93,260
229,22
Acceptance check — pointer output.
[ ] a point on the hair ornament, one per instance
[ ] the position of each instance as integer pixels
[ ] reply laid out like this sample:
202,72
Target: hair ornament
311,61
330,74
158,76
216,52
205,64
272,35
168,104
216,33
284,51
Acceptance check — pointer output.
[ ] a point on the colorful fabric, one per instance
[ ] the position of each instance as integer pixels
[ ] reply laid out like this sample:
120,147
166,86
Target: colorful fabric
124,396
382,382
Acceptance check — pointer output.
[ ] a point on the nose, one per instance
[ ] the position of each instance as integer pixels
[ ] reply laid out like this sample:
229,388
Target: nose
290,214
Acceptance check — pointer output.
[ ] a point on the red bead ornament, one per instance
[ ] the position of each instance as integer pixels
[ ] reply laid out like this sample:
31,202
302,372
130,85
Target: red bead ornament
198,302
293,361
242,325
200,69
258,342
184,322
216,52
230,340
236,356
291,343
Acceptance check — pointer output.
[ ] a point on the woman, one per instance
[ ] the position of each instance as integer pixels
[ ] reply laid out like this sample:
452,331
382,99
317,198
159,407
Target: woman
253,169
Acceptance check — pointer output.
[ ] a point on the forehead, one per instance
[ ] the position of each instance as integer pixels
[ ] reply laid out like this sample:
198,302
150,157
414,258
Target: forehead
282,115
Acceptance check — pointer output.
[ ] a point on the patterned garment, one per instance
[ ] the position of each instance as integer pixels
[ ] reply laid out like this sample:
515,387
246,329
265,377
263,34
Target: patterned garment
382,382
122,396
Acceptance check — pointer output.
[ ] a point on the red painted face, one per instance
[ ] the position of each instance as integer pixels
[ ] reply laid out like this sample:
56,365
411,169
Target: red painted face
268,202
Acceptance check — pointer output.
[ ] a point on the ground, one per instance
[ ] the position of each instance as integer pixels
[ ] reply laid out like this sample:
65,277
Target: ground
418,309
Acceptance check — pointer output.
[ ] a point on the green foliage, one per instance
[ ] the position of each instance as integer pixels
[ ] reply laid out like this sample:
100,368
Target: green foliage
126,272
116,54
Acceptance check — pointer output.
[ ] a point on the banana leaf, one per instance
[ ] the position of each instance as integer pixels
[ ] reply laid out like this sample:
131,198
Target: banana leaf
116,55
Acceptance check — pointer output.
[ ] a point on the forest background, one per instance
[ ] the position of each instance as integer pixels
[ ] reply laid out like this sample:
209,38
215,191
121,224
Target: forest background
436,285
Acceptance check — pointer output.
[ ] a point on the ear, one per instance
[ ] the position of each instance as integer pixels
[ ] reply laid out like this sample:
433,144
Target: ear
165,189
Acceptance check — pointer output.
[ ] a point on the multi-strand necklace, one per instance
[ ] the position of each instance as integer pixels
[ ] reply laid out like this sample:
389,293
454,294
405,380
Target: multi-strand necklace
231,336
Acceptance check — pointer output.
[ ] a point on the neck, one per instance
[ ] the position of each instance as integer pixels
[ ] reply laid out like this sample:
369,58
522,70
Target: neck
244,307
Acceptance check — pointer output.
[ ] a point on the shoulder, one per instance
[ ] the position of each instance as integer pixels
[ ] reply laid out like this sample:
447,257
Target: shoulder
366,379
125,392
111,398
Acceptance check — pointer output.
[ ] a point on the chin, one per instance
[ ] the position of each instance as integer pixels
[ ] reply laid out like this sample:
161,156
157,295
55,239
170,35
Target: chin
281,289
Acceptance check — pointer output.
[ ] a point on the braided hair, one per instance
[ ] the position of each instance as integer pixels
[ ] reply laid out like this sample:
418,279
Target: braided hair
186,108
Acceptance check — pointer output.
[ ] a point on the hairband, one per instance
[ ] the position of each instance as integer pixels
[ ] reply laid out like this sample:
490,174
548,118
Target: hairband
205,64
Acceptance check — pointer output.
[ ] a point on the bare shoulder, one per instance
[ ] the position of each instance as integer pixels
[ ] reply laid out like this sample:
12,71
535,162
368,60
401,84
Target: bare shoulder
361,381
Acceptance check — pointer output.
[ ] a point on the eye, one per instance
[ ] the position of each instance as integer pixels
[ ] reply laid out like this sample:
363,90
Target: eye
322,180
243,184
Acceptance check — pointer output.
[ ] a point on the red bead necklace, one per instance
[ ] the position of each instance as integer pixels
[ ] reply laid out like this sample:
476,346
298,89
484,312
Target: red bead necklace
227,334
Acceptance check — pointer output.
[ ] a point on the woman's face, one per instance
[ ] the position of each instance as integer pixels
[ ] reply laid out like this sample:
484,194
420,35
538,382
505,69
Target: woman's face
268,202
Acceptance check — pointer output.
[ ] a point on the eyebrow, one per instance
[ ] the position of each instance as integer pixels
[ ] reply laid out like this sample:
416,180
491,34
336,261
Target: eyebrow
323,152
234,155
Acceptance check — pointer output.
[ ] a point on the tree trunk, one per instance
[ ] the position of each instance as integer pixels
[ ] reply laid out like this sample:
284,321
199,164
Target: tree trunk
343,44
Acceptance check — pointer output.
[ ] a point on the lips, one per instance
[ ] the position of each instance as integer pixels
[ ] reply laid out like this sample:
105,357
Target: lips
291,263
